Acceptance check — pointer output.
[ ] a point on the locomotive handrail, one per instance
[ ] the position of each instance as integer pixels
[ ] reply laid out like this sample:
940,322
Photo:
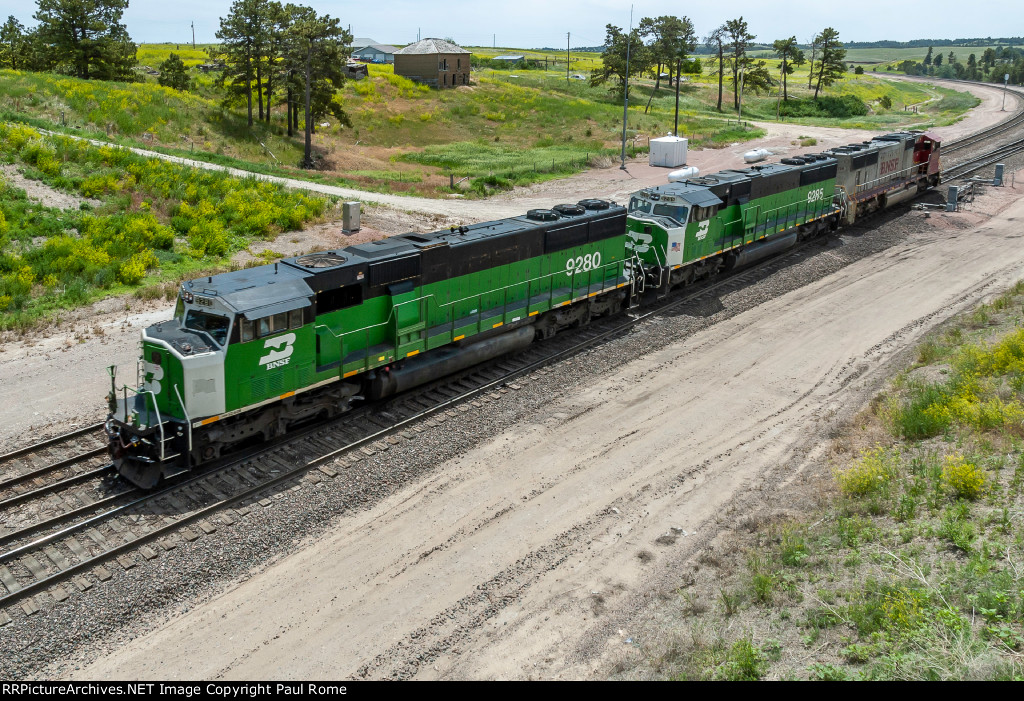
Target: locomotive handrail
159,419
188,422
897,174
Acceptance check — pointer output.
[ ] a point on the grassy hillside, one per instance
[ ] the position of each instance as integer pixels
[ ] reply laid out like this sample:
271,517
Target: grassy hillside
510,126
141,224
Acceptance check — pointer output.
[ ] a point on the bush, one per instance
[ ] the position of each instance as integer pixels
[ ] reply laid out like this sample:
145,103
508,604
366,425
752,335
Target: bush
207,238
963,479
871,474
827,107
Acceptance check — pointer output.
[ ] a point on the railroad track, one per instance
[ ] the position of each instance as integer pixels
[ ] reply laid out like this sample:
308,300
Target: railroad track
965,168
81,546
1015,120
52,465
78,547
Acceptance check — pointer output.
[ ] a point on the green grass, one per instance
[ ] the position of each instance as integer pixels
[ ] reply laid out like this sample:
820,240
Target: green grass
156,221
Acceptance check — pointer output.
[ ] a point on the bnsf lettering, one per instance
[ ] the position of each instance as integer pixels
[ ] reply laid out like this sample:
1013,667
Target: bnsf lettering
278,363
889,166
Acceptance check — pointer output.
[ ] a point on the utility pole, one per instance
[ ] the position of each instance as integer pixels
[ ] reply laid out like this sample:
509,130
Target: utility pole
675,131
567,58
193,36
739,106
625,92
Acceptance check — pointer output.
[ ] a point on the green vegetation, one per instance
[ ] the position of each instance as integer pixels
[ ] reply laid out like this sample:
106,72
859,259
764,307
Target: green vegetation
157,221
914,566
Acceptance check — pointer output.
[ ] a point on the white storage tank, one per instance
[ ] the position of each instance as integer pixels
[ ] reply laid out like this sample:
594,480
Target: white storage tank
758,154
683,173
668,152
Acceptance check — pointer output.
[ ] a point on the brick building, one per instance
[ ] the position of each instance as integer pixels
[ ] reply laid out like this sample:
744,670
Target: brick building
434,62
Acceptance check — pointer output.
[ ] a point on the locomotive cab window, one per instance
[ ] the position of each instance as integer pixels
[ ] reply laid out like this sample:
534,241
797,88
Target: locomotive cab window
703,213
671,211
637,204
248,330
213,325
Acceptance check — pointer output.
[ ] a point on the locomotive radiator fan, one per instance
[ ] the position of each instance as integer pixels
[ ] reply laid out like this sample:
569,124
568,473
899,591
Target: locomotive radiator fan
329,259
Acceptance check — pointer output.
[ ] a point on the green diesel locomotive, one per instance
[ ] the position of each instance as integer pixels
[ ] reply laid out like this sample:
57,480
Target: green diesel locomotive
251,353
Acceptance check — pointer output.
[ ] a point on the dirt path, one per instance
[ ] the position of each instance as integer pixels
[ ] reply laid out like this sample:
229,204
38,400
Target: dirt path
517,559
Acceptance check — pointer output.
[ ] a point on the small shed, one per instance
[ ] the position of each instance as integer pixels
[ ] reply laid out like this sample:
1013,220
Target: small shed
668,152
434,62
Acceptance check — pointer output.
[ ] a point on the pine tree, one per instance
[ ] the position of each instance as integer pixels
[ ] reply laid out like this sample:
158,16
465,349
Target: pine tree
12,44
86,37
318,49
791,56
739,38
831,66
716,42
173,74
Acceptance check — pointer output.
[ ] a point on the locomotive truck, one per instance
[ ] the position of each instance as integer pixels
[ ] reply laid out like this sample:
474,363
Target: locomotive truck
251,353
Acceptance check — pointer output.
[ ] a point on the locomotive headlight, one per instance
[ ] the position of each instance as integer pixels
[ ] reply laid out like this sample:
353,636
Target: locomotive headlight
187,296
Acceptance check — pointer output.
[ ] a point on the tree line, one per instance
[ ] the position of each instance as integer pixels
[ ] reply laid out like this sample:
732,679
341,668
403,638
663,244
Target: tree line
667,42
269,51
993,65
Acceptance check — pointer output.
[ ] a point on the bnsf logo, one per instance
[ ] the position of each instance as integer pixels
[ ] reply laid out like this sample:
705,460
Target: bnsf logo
280,351
889,166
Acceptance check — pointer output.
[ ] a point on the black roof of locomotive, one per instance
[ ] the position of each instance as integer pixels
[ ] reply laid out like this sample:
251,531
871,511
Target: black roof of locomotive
252,289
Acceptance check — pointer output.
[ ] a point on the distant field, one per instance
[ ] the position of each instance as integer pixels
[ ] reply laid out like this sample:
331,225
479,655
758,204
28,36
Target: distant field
896,55
153,55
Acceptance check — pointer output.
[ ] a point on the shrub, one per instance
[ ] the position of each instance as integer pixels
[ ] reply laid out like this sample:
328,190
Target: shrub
871,474
207,239
744,662
963,479
134,269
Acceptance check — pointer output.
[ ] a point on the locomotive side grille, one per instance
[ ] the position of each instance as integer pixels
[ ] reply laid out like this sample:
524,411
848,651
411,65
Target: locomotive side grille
388,271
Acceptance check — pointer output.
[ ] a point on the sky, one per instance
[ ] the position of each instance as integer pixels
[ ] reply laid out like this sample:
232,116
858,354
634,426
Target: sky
544,23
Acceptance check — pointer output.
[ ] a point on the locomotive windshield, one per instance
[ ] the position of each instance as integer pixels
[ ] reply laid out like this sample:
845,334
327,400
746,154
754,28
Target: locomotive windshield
673,212
637,204
212,324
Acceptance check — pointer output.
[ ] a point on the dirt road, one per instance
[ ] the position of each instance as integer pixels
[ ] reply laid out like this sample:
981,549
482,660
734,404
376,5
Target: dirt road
515,559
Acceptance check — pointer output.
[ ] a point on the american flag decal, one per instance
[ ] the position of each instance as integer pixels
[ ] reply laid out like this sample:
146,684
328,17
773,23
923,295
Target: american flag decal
675,247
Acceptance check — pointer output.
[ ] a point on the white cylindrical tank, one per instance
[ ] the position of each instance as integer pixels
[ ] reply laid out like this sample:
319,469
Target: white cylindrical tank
758,154
683,173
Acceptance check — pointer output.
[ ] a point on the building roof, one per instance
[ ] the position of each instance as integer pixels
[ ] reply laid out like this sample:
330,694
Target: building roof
509,57
360,42
432,46
383,48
